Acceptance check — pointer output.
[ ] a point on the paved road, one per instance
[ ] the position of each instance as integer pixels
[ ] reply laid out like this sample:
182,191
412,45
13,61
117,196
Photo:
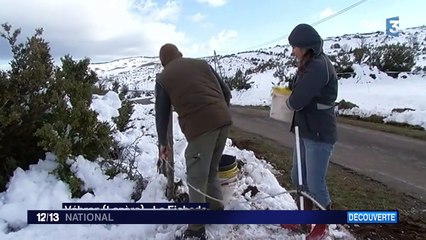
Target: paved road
397,161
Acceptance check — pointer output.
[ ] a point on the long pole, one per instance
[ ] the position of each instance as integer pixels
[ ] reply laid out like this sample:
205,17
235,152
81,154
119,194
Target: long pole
299,171
215,61
170,174
299,166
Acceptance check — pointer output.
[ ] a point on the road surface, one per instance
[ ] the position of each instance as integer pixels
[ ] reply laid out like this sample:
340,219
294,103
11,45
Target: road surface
397,161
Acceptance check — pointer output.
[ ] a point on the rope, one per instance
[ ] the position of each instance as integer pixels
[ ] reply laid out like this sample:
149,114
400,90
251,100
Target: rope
258,199
250,200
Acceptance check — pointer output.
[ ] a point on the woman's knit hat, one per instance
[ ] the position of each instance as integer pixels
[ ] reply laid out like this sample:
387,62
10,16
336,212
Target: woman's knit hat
306,37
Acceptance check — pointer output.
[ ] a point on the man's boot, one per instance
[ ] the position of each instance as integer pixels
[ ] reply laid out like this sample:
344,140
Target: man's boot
193,235
308,205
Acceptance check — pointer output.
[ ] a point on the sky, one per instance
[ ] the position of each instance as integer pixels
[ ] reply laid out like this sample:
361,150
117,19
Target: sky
104,30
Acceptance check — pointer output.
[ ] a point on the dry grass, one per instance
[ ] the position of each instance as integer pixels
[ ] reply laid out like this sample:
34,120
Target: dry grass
348,190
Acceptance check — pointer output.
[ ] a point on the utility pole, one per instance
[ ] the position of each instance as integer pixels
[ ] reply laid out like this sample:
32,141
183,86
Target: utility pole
215,61
217,67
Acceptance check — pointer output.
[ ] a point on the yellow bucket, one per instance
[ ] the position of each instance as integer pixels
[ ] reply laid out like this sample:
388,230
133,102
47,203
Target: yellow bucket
229,173
281,90
279,109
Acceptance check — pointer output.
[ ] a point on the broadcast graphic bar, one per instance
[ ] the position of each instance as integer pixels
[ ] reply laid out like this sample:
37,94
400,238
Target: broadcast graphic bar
165,216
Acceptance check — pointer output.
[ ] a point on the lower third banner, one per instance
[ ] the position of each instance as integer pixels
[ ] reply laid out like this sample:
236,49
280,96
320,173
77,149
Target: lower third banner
205,217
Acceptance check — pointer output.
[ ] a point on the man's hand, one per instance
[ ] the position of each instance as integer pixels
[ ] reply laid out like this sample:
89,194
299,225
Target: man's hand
164,152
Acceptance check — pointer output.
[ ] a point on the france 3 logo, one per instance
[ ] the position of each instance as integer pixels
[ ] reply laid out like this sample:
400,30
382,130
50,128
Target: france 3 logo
392,26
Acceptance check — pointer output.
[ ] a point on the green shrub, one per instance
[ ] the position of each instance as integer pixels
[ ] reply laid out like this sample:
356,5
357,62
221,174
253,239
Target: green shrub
240,81
115,86
345,105
394,57
123,161
125,112
280,73
124,92
44,108
361,54
26,99
342,62
264,66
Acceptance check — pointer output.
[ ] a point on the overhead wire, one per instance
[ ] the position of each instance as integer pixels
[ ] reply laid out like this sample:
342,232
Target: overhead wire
313,24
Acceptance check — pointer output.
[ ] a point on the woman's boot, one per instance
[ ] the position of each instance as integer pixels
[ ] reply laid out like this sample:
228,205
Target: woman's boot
302,228
319,232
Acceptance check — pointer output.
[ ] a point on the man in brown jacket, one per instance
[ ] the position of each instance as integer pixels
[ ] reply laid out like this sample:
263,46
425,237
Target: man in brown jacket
201,99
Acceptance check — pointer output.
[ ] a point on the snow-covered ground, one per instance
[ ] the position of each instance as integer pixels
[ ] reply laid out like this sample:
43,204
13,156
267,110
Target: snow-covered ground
37,189
377,95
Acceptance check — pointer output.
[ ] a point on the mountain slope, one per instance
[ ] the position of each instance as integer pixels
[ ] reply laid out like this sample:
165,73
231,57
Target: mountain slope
139,72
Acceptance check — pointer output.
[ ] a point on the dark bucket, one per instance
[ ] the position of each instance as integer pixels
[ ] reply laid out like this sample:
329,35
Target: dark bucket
227,162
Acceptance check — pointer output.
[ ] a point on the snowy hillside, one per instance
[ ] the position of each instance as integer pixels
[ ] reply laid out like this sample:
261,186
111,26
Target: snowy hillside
373,91
137,69
137,72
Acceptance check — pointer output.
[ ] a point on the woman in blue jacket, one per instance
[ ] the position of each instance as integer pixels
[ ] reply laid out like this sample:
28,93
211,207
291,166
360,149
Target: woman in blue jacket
312,100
